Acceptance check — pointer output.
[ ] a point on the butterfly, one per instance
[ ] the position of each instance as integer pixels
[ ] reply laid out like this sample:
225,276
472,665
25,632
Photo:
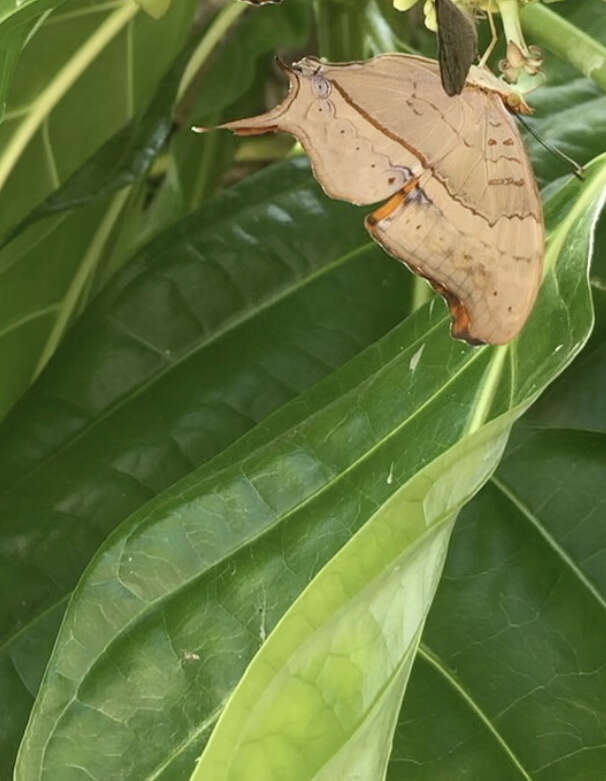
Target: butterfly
459,202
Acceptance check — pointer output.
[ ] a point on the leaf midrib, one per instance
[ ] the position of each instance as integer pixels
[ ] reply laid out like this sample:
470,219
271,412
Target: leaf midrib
433,659
232,324
564,557
60,84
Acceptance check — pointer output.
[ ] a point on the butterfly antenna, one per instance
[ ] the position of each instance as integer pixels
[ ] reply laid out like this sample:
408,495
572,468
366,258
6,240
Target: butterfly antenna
577,169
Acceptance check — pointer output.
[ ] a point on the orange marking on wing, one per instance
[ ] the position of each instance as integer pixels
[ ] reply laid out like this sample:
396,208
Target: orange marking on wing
392,204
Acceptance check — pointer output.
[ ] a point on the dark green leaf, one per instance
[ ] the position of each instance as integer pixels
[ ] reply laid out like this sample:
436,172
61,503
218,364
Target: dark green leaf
231,84
241,323
95,57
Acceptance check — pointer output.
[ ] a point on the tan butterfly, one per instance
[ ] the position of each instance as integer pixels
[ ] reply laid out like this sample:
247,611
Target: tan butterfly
462,208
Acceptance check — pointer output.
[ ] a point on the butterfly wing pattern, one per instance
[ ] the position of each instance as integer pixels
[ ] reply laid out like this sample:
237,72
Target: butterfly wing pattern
461,208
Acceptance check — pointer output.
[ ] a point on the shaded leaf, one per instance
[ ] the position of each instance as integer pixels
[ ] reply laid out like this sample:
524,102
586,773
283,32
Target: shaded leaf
47,270
231,82
11,44
122,160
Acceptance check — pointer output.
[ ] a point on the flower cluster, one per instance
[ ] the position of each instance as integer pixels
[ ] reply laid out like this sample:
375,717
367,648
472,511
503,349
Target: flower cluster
521,59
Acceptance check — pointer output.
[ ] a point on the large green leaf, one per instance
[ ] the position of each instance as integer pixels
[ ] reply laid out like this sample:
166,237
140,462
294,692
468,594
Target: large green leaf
189,585
84,52
509,681
243,324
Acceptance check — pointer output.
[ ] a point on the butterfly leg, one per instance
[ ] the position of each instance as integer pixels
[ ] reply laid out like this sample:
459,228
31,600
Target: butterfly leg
493,40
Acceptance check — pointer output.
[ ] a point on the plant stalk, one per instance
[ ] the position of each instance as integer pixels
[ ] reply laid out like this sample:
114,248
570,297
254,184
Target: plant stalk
216,30
553,32
341,29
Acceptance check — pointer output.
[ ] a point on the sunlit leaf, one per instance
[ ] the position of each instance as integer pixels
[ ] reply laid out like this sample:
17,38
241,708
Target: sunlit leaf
510,677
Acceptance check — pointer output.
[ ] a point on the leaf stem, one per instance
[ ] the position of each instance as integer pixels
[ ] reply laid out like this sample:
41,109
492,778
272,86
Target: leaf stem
557,34
87,267
341,29
216,30
60,84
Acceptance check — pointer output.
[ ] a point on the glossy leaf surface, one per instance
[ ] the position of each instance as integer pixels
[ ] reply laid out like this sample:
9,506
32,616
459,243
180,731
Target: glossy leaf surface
239,331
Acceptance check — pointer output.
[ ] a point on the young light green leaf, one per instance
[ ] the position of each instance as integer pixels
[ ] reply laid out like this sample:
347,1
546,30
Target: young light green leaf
321,697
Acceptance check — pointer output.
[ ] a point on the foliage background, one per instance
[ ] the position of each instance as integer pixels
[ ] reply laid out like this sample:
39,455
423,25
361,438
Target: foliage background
149,349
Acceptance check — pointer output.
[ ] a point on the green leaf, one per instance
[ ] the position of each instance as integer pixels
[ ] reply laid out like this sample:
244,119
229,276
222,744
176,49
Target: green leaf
509,679
15,12
11,44
243,324
570,110
18,21
193,576
366,609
